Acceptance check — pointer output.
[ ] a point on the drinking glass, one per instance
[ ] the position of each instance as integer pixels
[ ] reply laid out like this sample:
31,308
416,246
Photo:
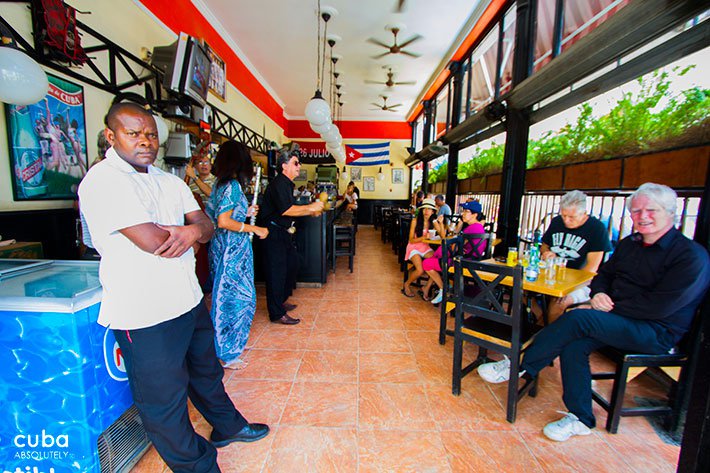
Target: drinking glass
551,273
526,258
512,259
561,264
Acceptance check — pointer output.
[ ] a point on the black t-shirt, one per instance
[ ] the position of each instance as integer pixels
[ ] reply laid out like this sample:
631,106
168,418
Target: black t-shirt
575,243
278,198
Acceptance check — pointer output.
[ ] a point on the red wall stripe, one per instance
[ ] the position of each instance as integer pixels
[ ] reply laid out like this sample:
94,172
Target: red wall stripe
355,130
182,15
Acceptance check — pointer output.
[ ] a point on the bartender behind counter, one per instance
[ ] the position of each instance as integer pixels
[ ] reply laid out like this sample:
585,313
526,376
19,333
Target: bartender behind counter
277,213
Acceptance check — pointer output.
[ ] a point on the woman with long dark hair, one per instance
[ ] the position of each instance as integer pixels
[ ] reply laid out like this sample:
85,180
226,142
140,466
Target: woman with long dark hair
231,256
417,250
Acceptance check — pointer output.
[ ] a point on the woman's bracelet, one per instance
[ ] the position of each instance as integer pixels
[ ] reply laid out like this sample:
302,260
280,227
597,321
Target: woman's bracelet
241,229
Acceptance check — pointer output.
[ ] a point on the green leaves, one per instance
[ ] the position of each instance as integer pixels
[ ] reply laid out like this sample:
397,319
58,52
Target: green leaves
650,119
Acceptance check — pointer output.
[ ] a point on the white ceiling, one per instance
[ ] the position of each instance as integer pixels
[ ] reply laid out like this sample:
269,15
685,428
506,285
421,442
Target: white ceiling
276,39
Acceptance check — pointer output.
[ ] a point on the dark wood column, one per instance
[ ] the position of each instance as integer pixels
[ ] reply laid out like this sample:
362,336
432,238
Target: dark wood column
426,139
518,125
453,161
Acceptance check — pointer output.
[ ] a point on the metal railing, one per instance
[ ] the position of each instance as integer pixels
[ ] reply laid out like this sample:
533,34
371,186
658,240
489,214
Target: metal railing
610,207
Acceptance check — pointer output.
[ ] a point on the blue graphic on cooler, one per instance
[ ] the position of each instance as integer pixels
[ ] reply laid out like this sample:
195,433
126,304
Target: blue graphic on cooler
62,379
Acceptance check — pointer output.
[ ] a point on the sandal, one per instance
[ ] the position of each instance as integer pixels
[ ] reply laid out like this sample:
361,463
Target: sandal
425,296
405,293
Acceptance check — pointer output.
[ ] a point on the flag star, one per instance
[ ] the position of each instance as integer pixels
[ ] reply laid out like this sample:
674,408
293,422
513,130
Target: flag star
351,154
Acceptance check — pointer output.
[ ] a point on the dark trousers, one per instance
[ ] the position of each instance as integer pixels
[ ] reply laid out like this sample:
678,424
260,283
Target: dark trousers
167,363
281,261
578,333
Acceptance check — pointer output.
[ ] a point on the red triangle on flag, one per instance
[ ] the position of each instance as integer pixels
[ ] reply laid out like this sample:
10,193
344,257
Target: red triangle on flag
351,154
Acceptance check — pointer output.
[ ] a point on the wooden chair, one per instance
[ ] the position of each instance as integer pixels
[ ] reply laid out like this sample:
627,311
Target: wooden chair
628,365
464,245
484,321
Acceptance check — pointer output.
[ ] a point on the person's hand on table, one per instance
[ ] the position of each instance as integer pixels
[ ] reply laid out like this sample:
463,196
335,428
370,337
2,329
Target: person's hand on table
602,302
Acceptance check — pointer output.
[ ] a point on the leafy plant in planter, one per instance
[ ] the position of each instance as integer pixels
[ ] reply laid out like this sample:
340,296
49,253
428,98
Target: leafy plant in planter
636,124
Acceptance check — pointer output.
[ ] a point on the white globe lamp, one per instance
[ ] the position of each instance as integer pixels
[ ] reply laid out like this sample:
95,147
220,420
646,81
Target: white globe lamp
318,110
22,81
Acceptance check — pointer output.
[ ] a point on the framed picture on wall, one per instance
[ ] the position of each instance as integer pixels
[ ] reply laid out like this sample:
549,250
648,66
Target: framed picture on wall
397,176
302,175
218,75
369,184
356,174
47,143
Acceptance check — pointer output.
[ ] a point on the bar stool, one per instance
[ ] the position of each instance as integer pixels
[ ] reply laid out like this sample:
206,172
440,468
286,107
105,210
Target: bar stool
343,243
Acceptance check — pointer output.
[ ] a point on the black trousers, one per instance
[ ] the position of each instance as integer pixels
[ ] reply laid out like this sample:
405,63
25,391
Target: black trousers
281,269
167,363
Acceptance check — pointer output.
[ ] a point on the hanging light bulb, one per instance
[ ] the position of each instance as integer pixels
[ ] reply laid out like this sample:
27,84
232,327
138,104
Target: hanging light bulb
22,81
321,129
344,174
380,175
318,110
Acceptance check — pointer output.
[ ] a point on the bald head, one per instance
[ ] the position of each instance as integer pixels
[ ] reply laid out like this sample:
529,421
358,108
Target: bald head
118,109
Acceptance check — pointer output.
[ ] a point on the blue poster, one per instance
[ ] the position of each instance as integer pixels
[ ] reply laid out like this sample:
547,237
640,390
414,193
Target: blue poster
48,143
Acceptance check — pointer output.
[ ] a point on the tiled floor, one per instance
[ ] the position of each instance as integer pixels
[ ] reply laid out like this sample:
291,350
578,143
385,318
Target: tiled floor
362,385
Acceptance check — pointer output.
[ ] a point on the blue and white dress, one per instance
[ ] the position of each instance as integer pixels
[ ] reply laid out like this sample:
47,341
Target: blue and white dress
232,270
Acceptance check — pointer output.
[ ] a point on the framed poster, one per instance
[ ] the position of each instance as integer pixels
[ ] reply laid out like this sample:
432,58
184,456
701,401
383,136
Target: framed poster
397,176
47,142
218,75
369,184
356,174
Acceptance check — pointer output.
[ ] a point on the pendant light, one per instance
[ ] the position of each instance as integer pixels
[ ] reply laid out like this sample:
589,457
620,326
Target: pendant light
317,109
22,80
380,175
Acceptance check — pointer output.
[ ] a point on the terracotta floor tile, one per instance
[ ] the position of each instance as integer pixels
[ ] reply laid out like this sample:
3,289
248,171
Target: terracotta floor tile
330,306
318,404
335,340
422,321
313,450
578,454
271,364
336,367
428,342
380,322
336,321
281,337
390,341
378,307
645,453
488,451
474,409
389,368
399,451
150,462
436,368
259,400
241,457
394,406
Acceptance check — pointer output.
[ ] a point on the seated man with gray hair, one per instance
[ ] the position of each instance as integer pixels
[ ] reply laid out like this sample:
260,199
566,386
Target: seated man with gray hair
643,300
580,238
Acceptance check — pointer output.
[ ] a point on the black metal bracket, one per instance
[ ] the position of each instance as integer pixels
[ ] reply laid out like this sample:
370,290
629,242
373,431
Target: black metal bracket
104,53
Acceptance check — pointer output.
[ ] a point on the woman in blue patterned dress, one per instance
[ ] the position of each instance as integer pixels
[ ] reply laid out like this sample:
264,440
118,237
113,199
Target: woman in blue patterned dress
231,257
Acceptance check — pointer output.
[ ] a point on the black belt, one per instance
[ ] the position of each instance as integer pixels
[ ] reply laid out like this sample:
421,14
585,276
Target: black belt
285,228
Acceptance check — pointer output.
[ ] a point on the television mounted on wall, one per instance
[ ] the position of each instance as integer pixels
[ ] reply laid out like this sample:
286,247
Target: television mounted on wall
186,67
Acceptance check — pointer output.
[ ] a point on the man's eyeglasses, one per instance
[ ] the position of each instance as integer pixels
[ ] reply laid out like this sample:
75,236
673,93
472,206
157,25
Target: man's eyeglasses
296,163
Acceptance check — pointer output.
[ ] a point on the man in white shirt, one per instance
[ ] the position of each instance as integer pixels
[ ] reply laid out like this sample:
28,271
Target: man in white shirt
144,222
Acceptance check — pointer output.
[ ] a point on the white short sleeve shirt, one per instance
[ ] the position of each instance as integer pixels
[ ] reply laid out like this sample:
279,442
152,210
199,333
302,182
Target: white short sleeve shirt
139,289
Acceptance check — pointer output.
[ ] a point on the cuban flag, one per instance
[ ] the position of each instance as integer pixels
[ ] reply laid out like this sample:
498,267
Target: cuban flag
367,155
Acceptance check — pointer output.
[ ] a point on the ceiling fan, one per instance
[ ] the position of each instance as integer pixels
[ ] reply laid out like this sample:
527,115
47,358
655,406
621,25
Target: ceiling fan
395,48
383,106
390,82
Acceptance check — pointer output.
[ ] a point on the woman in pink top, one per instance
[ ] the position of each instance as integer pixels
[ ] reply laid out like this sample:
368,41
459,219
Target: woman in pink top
472,216
417,250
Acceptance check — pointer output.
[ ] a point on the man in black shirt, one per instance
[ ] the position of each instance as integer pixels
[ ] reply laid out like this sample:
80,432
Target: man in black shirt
643,300
277,212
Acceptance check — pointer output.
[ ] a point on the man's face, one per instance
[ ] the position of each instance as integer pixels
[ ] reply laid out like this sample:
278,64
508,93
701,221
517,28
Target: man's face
439,202
650,219
573,217
135,139
204,167
291,168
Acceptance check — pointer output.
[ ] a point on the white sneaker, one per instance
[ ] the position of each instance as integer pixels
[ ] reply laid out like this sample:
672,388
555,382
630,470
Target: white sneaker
567,427
497,371
438,298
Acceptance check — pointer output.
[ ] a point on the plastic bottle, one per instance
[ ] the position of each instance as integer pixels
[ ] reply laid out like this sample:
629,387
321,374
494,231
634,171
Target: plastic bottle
532,272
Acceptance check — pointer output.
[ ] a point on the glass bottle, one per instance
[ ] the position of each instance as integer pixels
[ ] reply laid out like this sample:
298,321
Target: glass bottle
29,167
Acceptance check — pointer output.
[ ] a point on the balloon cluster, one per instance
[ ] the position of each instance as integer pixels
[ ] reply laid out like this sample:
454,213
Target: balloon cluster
320,118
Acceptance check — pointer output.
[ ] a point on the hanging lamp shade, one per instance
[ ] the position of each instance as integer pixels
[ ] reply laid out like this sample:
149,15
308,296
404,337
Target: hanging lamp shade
344,175
380,175
317,110
22,80
321,129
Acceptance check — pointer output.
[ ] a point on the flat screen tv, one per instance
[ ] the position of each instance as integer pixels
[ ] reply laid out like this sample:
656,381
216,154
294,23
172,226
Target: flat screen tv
186,66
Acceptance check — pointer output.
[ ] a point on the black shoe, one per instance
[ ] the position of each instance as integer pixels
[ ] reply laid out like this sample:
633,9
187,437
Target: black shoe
287,320
249,433
289,307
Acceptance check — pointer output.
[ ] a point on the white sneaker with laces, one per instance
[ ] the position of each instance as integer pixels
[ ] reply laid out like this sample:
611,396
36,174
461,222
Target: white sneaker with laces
497,371
438,298
567,427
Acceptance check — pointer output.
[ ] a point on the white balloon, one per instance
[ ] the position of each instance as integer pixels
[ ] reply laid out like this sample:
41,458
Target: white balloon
320,129
163,130
317,112
22,81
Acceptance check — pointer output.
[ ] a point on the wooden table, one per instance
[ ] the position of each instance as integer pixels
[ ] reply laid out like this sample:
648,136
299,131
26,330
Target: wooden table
22,250
429,241
571,280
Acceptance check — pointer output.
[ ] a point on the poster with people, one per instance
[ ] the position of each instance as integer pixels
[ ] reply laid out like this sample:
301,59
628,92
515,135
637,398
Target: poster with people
48,143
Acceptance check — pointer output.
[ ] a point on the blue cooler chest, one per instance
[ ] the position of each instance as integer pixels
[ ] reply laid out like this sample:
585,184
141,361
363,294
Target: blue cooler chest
65,403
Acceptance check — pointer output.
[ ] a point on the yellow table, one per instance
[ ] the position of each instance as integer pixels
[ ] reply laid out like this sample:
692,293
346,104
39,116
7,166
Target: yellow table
429,241
22,250
571,280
